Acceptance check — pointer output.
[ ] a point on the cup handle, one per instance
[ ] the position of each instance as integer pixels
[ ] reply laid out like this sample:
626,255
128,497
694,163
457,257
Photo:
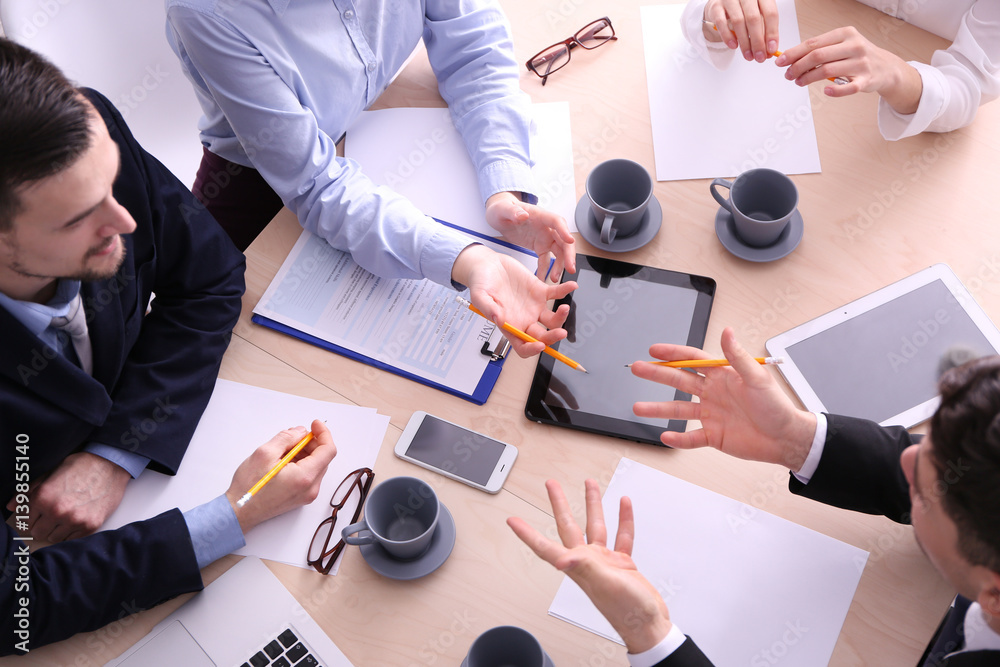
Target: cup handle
723,202
608,232
362,538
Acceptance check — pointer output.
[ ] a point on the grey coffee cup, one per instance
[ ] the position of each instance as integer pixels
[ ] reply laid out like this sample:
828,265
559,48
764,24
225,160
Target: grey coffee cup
619,191
401,515
762,202
506,645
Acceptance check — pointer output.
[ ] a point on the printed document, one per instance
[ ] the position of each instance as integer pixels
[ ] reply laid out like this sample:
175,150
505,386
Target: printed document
416,326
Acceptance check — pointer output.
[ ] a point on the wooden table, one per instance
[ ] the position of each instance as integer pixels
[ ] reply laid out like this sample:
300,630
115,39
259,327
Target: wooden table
878,212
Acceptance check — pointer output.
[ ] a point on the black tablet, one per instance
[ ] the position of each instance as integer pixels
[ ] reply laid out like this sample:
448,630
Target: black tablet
616,313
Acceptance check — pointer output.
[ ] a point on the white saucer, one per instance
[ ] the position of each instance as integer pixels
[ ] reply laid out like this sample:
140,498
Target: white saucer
441,545
789,240
589,230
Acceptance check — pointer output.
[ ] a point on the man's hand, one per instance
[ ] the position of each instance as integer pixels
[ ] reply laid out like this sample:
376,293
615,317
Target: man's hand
504,291
610,579
844,52
76,498
535,228
743,411
750,25
295,485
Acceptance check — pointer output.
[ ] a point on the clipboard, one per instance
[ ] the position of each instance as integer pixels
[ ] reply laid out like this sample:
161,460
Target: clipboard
489,347
478,396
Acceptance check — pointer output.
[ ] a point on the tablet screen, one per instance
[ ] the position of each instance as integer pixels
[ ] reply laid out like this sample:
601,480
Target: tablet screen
885,361
616,313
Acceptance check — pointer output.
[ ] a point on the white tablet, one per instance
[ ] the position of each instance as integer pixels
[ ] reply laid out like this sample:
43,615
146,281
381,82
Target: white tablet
879,357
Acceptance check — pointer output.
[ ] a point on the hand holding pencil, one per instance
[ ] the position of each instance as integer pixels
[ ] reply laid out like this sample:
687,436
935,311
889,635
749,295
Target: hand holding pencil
294,484
505,291
742,409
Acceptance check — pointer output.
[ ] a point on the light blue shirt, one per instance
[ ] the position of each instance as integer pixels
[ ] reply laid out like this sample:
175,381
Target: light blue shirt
215,530
280,81
37,318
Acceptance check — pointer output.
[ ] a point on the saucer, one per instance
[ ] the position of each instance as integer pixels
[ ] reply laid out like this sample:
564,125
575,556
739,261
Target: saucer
586,223
441,545
789,239
546,660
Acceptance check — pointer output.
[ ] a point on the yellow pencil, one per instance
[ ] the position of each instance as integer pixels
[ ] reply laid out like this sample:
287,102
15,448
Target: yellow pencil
275,470
555,354
708,363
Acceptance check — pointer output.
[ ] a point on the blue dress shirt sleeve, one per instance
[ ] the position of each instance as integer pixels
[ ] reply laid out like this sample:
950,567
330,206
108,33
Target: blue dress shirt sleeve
471,51
130,462
215,531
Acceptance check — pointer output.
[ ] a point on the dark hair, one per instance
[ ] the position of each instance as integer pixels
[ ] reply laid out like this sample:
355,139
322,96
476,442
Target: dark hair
44,123
965,447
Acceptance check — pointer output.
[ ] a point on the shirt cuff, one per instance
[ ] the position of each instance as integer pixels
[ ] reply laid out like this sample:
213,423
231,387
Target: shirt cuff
437,259
507,176
894,125
667,645
130,462
808,468
215,531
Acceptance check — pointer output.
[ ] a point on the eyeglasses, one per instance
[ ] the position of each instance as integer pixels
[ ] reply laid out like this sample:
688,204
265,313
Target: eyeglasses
356,485
555,57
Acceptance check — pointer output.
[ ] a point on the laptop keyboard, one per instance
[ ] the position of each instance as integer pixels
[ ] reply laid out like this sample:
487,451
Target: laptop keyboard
285,650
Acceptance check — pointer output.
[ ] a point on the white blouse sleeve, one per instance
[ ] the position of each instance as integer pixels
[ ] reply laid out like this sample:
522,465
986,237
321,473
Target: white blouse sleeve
957,81
717,53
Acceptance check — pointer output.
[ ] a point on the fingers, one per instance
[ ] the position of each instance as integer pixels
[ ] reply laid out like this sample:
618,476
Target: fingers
686,381
283,441
769,12
685,410
317,455
753,29
626,527
716,14
688,440
597,530
569,531
671,352
741,361
557,317
543,547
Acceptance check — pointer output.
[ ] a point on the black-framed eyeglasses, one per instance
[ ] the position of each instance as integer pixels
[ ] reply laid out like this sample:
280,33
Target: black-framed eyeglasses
555,57
355,486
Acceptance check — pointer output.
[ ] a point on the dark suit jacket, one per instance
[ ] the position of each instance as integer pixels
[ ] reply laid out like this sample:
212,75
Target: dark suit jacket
859,471
153,375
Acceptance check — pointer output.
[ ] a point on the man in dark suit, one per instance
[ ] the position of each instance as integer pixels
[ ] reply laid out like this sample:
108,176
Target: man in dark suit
91,224
946,484
96,383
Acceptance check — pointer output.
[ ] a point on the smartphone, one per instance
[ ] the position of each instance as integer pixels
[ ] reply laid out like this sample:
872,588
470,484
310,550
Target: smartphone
456,452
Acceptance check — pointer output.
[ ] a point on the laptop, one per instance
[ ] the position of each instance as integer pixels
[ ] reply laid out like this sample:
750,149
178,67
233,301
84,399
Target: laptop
245,617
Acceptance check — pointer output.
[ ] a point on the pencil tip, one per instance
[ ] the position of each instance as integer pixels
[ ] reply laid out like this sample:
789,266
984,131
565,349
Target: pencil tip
584,370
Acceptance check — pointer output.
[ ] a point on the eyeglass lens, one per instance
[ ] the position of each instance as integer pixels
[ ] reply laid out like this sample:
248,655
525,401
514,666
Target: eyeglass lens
556,56
346,504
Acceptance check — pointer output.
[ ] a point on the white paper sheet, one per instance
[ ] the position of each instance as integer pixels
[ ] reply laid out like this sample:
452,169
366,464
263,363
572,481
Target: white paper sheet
742,583
418,153
238,419
416,326
709,123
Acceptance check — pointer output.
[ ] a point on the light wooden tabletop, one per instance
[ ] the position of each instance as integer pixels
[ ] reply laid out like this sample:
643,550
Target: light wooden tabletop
878,212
